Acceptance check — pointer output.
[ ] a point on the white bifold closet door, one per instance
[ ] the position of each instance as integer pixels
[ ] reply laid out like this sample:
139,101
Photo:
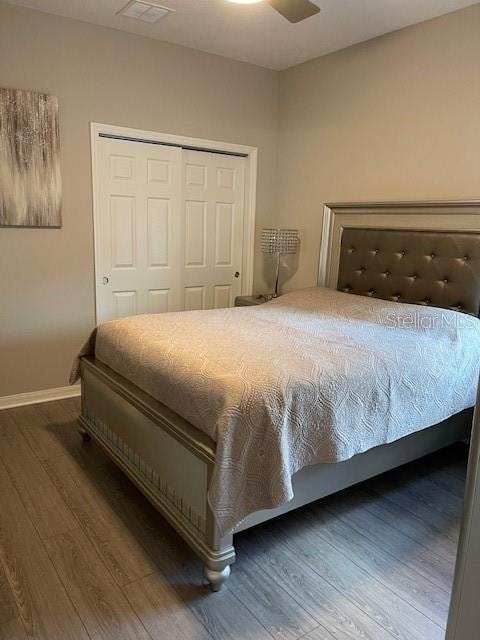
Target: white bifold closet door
168,228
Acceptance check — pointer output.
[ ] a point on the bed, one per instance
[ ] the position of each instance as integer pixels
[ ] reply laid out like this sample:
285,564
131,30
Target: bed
171,428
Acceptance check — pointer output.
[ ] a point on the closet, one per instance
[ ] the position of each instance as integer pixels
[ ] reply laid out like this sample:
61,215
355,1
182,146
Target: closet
169,227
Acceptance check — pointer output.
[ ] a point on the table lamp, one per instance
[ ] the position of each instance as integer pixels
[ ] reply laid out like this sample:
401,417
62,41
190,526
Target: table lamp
279,242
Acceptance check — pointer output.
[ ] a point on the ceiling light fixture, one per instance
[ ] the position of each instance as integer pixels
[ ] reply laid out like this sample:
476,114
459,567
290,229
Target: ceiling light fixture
245,1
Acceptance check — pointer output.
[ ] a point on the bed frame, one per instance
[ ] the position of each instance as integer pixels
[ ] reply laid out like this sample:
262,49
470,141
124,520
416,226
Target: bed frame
171,461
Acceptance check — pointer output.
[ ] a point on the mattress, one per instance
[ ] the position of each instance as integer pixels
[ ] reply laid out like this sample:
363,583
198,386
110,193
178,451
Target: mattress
314,376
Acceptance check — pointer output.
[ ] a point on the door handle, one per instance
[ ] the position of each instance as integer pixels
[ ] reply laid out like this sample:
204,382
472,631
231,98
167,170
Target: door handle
237,274
104,280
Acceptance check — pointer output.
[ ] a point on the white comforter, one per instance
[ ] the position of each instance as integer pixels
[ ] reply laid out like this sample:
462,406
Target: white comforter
314,376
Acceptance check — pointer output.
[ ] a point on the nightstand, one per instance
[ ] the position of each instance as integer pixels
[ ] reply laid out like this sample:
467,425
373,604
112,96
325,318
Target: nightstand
250,301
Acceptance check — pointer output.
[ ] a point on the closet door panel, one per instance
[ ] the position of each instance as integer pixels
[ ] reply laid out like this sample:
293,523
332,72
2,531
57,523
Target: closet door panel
213,197
138,228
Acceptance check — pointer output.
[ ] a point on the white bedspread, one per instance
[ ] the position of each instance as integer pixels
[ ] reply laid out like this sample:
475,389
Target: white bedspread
314,376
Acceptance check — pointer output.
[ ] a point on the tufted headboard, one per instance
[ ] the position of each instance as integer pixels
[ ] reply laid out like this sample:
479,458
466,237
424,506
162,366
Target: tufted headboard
437,268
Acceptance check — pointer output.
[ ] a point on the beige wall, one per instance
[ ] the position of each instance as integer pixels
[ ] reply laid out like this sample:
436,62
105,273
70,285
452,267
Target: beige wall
395,118
102,75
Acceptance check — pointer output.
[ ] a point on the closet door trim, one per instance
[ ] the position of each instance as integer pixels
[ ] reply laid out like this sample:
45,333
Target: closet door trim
98,130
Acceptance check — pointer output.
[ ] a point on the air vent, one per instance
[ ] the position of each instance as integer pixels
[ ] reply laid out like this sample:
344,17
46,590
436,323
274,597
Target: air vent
144,11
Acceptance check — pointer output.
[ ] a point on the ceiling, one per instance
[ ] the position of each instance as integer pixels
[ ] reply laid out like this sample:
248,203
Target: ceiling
256,33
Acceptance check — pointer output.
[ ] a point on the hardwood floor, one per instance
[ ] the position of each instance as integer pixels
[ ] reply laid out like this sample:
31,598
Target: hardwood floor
84,555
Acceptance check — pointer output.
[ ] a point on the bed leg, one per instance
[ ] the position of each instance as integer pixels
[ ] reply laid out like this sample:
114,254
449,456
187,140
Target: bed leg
84,434
216,578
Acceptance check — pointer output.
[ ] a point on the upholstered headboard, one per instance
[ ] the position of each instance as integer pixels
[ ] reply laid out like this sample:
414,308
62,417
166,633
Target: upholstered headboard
435,268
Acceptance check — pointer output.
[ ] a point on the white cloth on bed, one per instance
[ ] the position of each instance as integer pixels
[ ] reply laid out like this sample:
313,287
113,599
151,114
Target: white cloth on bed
313,376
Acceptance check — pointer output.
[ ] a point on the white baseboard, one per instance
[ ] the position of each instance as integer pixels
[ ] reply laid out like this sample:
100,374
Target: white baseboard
34,397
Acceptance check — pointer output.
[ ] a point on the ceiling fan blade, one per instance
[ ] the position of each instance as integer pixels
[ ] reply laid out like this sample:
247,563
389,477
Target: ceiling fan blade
295,10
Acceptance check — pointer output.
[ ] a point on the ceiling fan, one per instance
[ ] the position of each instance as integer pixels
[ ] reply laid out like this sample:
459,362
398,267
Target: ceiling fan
292,10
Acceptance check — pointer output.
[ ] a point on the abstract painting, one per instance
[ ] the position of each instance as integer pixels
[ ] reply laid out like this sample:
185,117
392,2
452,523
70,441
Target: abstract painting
30,180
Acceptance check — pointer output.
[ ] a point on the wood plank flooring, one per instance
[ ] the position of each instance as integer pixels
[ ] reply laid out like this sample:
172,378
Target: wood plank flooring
84,556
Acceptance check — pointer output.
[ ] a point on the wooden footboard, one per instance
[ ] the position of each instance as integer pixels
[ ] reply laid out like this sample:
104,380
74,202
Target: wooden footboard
169,460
